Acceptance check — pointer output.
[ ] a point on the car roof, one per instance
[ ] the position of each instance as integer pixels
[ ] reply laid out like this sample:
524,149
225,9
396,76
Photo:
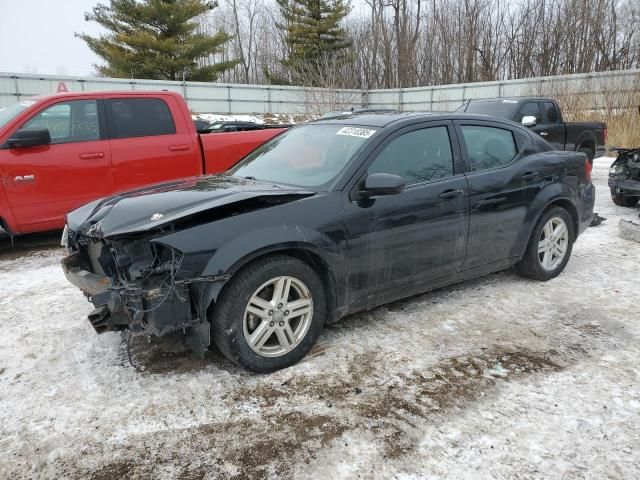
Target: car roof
511,99
385,119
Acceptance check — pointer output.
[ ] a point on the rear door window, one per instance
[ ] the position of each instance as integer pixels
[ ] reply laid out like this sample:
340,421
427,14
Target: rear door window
488,147
139,117
551,112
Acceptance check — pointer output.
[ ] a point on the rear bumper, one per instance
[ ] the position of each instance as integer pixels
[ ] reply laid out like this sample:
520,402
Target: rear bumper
587,202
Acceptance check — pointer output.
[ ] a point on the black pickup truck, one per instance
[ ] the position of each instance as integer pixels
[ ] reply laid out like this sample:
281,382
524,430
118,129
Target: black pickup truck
543,115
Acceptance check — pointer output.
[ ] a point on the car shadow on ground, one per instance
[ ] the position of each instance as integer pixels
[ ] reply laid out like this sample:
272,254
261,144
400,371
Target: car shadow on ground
12,248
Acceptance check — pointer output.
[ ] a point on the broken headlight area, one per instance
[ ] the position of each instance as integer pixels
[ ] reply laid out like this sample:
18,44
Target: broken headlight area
134,284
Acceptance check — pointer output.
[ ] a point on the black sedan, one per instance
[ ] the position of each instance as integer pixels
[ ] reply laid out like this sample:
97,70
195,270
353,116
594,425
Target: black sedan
327,219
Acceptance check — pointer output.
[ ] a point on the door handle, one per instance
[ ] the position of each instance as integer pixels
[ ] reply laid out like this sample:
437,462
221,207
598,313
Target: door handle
544,134
178,148
24,178
529,176
91,156
451,193
490,201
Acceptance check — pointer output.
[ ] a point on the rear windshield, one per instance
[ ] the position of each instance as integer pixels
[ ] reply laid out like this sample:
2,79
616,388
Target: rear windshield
495,108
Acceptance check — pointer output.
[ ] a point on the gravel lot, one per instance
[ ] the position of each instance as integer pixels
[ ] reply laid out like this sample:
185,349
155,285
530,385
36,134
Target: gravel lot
501,377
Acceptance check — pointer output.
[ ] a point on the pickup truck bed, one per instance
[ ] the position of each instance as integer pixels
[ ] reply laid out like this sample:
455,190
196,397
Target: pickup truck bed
58,152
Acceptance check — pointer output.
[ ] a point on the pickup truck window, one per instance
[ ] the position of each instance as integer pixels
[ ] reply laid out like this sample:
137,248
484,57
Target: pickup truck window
551,112
529,109
72,121
139,117
494,108
12,111
488,147
305,156
418,156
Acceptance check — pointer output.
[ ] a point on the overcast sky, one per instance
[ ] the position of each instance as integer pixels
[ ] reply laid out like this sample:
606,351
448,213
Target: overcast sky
37,36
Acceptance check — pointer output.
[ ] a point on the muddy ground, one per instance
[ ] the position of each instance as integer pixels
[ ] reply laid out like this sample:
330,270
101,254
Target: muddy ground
500,377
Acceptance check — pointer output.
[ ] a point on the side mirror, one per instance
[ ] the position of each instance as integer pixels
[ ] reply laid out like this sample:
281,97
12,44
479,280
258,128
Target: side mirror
529,121
378,184
29,137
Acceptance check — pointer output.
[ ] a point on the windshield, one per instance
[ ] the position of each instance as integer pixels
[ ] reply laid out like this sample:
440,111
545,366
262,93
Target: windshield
306,156
12,111
497,108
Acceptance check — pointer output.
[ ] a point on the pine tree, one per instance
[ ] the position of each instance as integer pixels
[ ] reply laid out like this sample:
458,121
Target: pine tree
156,39
314,36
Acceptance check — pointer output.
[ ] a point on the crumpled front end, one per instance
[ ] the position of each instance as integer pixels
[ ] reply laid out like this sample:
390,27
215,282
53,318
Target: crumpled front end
137,284
624,175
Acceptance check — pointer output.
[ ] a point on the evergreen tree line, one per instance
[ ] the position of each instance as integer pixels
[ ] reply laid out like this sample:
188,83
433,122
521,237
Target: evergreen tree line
366,43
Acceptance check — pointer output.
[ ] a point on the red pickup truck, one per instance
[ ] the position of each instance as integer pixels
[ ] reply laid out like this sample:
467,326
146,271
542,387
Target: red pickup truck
58,152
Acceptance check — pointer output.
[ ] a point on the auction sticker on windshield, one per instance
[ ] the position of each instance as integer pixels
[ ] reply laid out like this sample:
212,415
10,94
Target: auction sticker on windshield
356,132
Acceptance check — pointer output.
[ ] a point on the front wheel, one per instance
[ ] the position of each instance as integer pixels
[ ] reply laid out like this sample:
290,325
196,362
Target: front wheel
270,315
549,247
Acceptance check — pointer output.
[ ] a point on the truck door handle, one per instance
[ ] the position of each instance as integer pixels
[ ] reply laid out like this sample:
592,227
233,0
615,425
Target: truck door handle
178,148
544,134
529,176
91,156
451,193
24,178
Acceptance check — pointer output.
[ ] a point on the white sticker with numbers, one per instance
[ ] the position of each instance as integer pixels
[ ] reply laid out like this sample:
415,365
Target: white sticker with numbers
356,132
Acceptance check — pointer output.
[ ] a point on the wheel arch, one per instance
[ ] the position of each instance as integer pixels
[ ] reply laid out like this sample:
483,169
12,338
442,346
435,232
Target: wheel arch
552,196
306,253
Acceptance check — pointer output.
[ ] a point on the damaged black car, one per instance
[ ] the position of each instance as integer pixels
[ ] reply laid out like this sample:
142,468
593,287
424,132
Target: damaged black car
327,219
624,177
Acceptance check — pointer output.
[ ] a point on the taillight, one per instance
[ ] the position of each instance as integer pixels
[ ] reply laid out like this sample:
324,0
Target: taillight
606,135
588,166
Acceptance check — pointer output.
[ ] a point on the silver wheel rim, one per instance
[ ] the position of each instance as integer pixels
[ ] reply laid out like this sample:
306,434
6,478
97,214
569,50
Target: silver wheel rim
277,316
553,243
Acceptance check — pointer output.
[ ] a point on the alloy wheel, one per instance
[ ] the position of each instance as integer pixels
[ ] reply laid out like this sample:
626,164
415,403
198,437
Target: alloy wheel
553,243
278,316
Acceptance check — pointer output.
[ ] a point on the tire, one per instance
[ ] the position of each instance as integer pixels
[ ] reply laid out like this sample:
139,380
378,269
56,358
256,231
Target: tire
588,151
234,322
532,263
623,200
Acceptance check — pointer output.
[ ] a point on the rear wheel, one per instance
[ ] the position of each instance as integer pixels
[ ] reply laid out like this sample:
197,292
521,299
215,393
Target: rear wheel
549,247
588,151
270,315
623,200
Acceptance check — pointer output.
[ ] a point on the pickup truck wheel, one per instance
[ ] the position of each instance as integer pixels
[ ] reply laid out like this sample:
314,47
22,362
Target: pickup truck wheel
623,200
549,247
588,151
270,315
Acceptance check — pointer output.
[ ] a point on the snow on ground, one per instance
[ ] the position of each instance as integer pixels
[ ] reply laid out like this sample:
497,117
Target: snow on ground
500,377
255,118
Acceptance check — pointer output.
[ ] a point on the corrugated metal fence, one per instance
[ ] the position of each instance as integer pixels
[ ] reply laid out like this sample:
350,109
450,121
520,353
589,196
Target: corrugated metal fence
238,99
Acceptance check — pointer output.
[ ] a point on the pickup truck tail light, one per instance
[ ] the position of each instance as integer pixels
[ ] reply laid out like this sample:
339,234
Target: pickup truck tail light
588,166
606,135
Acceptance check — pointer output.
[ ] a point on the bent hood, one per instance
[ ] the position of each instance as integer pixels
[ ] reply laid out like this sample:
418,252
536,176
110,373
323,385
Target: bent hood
196,199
